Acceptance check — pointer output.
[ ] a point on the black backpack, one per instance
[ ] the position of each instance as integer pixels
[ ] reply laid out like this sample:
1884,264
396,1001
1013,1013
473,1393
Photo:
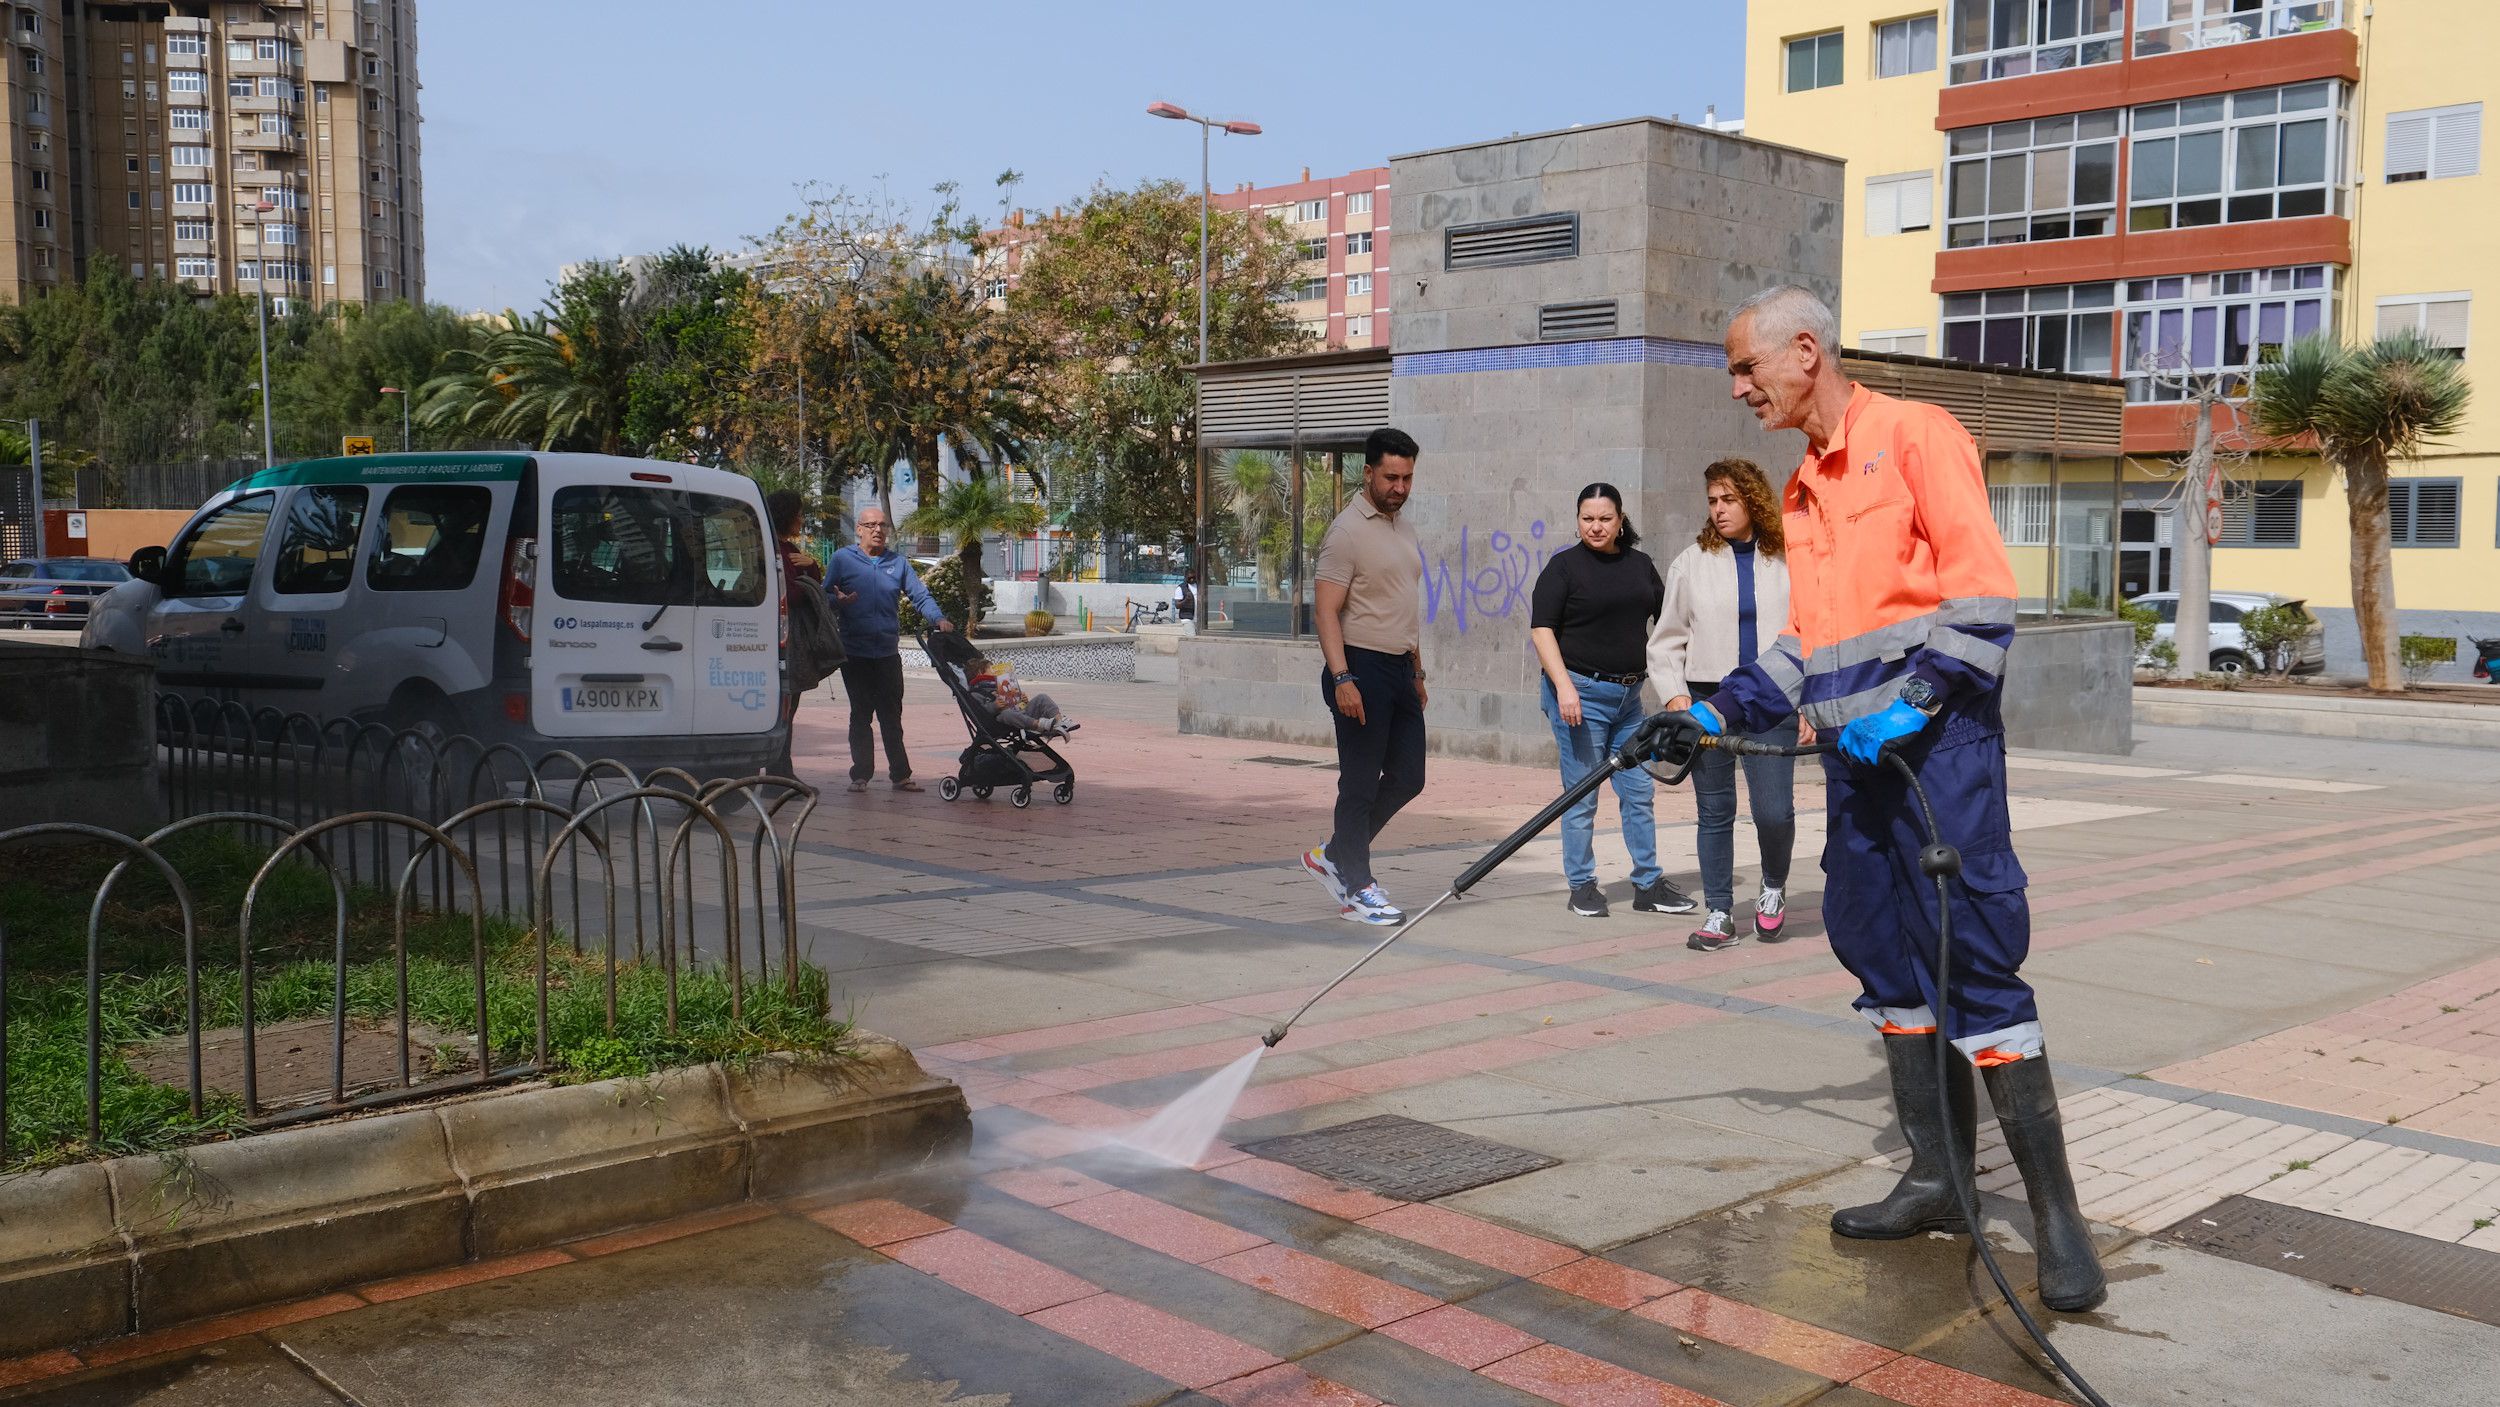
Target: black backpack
815,637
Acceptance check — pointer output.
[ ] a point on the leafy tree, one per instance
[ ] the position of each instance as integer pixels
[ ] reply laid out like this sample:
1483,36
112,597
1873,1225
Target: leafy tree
969,511
1113,287
2366,405
333,386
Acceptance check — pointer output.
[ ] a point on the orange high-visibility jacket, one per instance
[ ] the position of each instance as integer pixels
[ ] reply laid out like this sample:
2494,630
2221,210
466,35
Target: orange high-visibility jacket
1895,569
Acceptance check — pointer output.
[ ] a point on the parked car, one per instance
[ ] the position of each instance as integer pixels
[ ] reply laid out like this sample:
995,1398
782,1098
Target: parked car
57,590
622,608
2229,652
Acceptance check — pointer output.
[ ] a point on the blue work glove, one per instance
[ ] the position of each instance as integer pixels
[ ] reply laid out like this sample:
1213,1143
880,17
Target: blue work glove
1708,718
1863,740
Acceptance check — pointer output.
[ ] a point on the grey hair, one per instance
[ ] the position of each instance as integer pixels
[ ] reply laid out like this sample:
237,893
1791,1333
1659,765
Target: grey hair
1786,310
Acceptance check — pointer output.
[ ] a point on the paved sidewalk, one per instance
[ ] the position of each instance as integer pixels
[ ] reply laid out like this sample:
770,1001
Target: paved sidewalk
2266,965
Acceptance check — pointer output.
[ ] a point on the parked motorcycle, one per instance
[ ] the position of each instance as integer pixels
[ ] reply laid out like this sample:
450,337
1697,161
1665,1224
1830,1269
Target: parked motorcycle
2487,661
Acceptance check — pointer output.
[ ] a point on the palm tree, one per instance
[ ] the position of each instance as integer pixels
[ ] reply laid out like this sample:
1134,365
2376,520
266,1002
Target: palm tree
971,510
2366,405
1253,483
528,381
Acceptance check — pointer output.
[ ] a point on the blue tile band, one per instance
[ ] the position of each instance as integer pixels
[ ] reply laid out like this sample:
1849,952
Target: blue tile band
1602,351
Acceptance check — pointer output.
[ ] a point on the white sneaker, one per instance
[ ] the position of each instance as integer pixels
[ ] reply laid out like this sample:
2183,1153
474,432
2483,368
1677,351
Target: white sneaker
1316,861
1713,934
1369,905
1770,914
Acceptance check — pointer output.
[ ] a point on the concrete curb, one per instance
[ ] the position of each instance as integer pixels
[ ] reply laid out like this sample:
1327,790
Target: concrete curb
2375,720
135,1244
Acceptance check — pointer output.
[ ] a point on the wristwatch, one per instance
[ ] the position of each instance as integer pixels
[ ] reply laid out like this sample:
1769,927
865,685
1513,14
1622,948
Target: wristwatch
1920,694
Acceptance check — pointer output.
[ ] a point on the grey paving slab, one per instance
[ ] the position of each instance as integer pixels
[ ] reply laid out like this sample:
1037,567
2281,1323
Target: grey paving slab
246,1370
2182,1326
933,1003
1713,1369
1395,1372
779,1310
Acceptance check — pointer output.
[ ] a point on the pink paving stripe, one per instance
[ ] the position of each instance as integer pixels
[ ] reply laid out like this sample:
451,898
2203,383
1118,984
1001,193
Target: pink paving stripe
879,1222
978,1266
1470,1239
2343,827
1162,1344
2262,863
1078,1033
1606,1283
1692,965
1461,1336
1767,1335
1269,1005
1924,1384
1159,1226
1047,1187
1668,937
1647,1021
1577,1380
1304,1189
1324,1285
1288,1386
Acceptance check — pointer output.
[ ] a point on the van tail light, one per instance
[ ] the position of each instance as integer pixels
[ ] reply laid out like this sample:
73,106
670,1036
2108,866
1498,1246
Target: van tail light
520,586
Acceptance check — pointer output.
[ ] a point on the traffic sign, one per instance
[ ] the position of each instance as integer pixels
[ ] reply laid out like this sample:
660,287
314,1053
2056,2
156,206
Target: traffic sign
356,444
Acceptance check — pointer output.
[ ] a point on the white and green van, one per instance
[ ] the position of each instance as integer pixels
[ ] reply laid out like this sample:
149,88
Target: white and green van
622,608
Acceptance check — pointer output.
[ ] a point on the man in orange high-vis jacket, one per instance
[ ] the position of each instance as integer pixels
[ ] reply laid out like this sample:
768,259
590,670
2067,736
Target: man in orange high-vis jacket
1901,610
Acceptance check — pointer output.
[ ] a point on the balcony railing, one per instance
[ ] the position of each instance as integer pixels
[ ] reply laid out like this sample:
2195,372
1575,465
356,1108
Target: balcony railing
2180,26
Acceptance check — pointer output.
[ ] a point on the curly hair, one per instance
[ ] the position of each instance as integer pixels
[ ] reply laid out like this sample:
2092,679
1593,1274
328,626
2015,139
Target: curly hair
1761,504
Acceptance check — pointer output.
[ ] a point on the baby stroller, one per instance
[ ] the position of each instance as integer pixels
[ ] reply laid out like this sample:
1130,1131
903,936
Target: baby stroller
999,756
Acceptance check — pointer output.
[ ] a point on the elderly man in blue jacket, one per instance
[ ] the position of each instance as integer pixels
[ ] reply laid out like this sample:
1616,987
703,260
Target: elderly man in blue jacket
867,581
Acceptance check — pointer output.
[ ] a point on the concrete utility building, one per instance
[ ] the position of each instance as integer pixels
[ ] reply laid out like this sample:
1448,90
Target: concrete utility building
147,134
1560,301
2150,188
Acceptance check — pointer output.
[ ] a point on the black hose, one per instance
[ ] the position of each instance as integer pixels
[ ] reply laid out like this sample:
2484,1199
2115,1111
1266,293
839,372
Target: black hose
1940,862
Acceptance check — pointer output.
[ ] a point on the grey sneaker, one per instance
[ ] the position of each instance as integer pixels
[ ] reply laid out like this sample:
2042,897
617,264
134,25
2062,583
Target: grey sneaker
1588,901
1369,905
1662,898
1714,934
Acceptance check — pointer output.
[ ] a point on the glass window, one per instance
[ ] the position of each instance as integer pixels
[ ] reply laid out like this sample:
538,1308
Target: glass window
1814,62
217,556
317,546
1310,210
2179,26
2053,178
2218,325
431,537
651,547
1358,285
2271,154
1359,242
2050,329
2010,38
1359,203
1905,46
186,80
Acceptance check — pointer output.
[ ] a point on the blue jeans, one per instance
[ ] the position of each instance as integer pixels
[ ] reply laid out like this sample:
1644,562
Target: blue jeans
1608,714
1769,782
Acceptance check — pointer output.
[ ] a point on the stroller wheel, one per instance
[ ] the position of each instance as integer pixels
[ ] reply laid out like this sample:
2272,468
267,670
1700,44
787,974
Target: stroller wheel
1021,796
1063,793
981,793
949,788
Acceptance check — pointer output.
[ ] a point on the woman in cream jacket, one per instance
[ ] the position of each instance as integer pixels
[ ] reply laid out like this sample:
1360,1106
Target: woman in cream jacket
1727,601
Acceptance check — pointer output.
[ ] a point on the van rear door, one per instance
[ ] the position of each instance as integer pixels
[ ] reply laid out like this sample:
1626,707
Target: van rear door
615,615
737,617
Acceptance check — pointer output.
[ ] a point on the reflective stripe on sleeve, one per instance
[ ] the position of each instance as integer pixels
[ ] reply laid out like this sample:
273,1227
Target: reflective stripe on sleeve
1969,649
1781,668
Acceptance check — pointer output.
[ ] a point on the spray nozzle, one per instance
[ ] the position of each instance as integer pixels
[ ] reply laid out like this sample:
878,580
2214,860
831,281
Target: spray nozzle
1271,1038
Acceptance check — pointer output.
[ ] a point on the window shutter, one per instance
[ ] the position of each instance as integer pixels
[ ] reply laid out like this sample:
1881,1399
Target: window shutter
1918,202
2277,516
2436,513
2408,147
2394,318
1883,207
2400,514
2443,322
2457,142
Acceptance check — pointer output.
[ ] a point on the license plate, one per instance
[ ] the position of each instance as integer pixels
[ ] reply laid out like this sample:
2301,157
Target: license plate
611,698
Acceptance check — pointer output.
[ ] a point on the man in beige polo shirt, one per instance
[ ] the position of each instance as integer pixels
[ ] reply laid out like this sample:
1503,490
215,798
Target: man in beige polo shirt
1370,618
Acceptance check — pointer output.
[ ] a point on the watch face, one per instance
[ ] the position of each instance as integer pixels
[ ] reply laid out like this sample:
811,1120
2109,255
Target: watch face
1918,693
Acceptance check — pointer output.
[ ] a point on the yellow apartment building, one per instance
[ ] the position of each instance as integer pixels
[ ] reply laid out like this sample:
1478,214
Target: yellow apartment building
2149,188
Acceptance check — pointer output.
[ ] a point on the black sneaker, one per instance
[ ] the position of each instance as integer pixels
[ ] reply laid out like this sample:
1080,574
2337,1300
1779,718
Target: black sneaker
1662,898
1588,901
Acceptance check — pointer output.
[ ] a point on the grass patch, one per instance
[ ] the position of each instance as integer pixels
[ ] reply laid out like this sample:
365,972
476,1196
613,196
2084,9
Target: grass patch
46,895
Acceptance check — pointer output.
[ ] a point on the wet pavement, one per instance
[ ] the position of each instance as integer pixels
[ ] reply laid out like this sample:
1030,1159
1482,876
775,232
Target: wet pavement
2266,971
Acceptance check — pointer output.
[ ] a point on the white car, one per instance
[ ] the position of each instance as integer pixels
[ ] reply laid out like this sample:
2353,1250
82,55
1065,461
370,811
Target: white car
622,608
2228,651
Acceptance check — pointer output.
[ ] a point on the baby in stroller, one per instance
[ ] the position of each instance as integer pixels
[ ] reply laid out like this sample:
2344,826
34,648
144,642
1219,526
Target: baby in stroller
994,688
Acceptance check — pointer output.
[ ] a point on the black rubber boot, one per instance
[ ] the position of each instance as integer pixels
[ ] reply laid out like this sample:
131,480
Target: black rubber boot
1924,1200
2026,1106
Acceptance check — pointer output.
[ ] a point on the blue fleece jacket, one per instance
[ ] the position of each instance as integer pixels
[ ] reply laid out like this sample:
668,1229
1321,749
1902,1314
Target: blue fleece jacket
872,622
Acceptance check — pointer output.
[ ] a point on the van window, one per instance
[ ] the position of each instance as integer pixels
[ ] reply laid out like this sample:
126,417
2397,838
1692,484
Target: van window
217,558
653,547
317,547
431,537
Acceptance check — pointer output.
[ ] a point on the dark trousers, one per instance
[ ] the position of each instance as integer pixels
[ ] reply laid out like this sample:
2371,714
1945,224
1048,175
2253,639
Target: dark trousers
876,690
1380,761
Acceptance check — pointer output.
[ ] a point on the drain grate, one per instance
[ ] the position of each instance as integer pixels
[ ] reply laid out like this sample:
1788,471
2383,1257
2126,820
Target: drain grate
2348,1255
1274,761
1402,1158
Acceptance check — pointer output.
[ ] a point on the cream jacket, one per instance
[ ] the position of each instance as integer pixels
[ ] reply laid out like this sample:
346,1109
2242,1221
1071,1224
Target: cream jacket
1695,637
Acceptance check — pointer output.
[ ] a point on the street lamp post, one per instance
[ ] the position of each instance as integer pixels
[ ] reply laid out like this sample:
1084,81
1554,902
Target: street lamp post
260,304
403,415
1206,197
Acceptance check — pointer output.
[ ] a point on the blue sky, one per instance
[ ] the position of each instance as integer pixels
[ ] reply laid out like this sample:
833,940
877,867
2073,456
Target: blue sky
564,129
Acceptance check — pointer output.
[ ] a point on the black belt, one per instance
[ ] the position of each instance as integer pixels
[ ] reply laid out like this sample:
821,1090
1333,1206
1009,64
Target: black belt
1626,680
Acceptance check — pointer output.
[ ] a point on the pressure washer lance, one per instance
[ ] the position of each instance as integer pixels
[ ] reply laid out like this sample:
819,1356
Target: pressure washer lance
1675,740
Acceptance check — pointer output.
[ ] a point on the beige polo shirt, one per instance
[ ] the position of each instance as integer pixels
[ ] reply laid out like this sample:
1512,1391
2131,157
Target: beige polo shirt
1380,562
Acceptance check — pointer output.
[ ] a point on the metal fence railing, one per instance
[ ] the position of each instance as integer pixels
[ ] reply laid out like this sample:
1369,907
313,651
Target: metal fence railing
658,868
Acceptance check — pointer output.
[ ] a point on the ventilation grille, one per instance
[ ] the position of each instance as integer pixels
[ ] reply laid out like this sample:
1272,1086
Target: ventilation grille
1560,322
1532,240
1318,401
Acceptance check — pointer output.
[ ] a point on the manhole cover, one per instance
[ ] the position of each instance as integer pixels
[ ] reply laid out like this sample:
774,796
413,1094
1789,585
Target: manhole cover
2348,1255
1402,1158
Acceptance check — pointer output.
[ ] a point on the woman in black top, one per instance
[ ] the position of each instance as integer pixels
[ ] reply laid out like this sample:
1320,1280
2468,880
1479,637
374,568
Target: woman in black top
1590,624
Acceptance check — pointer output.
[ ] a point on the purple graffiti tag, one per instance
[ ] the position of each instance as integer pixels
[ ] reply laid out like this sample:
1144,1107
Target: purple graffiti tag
1493,585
